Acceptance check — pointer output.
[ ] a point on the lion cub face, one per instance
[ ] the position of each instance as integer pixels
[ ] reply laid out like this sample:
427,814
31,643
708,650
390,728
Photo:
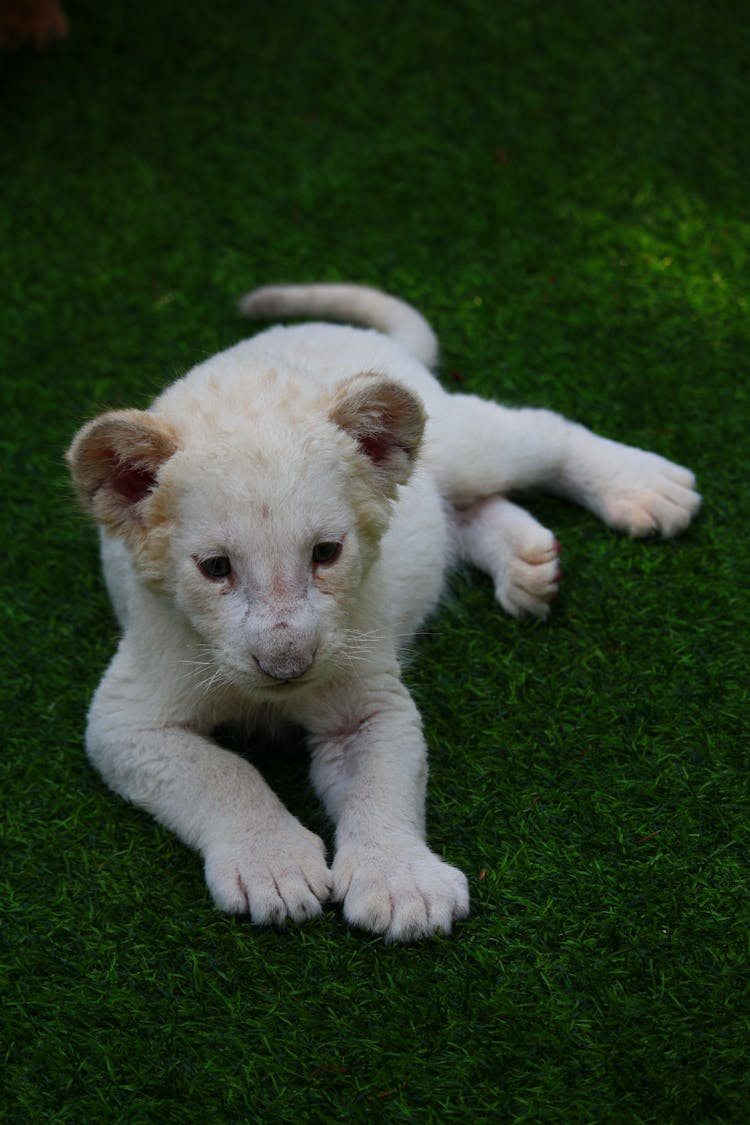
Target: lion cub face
259,525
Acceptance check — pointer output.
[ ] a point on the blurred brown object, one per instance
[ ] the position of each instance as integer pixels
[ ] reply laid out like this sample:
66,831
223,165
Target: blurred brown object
30,23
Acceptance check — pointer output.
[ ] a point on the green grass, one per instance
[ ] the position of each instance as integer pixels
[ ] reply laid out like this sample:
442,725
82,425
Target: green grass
563,189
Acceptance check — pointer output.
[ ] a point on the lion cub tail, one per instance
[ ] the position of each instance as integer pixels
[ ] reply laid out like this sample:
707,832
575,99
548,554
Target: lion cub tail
356,304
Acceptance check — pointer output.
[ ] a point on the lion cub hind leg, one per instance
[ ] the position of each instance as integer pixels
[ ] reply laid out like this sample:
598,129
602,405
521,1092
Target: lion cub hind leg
520,555
477,448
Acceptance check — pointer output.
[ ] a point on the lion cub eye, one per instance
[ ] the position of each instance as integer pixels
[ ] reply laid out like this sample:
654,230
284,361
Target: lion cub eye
325,553
218,566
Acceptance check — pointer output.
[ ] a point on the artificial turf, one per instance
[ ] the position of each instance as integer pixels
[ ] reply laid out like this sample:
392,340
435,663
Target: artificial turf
562,187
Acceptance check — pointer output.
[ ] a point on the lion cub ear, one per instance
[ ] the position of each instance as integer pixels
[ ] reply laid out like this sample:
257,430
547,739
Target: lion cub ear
387,422
115,462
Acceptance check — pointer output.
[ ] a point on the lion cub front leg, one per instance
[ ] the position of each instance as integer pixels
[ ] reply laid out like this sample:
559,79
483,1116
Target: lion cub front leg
369,766
259,859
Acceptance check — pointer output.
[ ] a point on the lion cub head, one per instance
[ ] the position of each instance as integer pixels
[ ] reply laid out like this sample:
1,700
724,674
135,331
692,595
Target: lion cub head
257,510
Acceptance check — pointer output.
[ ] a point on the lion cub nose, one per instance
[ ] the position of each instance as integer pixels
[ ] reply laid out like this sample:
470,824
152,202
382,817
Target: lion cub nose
285,668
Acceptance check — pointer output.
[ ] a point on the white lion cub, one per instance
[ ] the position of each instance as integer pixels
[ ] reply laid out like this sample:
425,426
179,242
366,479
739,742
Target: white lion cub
273,528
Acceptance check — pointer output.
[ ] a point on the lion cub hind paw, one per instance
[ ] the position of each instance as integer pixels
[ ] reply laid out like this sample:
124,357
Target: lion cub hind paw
646,495
663,511
271,884
403,896
527,581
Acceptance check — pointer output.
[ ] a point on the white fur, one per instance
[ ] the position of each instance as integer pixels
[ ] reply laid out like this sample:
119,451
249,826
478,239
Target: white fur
298,438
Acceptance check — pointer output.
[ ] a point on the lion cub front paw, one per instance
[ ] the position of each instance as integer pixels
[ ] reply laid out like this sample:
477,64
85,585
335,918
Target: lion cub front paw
404,893
273,876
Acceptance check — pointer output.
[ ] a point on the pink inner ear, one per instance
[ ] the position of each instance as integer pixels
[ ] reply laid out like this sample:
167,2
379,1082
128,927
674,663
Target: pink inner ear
376,446
132,482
